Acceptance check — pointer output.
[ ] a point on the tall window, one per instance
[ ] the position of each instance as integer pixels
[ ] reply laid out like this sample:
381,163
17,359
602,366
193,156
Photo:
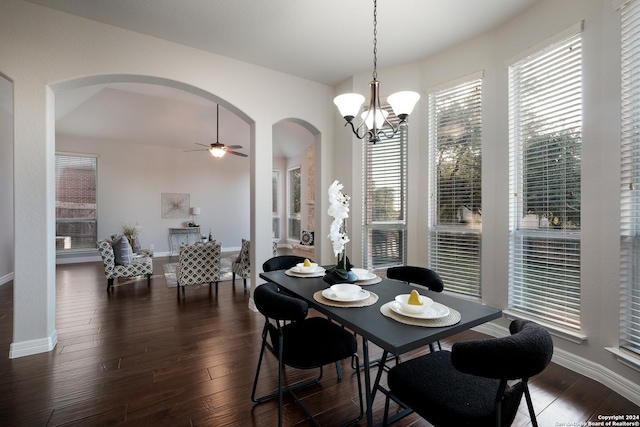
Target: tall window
275,212
385,188
630,180
455,215
76,203
293,204
545,132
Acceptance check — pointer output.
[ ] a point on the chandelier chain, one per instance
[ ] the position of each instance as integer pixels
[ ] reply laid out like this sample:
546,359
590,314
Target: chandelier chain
375,40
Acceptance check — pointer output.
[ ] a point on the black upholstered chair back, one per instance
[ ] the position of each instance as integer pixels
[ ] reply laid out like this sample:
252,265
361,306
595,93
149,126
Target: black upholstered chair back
418,275
525,353
282,262
276,305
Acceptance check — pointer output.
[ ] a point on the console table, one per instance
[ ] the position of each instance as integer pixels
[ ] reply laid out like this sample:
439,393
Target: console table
182,231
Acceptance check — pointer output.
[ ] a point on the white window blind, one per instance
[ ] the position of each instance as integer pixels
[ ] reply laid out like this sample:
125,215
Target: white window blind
545,125
630,180
455,221
293,204
385,188
76,203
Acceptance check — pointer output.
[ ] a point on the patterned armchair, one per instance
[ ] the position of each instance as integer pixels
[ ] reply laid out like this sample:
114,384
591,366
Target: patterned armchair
140,265
198,263
241,265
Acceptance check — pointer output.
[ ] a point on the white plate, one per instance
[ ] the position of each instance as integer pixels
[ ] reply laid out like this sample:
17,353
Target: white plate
434,311
296,269
318,273
363,274
362,295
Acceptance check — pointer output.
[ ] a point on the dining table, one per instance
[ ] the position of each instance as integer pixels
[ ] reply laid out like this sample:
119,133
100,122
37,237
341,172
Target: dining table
378,320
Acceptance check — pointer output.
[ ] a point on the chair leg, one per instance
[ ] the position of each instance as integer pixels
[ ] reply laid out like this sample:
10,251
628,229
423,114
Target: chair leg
532,413
216,288
233,277
109,283
244,279
149,279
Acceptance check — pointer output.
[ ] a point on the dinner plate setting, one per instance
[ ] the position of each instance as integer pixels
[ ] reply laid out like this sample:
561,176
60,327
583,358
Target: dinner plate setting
296,272
435,315
362,299
365,277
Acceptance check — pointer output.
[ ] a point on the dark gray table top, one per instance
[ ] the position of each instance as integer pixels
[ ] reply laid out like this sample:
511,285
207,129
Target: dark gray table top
371,324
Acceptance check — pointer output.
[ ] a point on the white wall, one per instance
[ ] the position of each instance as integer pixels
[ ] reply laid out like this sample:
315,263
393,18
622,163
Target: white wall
131,178
6,180
44,51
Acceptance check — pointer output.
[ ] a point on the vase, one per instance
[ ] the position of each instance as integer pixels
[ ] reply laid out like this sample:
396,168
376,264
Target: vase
333,277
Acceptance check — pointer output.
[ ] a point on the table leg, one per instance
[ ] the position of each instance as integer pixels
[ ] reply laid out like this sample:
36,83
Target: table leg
367,381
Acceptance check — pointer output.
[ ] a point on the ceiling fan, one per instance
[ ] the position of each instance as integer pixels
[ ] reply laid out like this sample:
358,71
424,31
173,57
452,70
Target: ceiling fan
217,149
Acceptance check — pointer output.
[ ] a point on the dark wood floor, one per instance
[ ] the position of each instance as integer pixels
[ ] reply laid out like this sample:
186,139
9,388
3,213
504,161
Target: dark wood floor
140,357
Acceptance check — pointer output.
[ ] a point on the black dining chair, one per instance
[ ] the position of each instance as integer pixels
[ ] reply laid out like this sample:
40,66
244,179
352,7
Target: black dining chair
282,262
304,343
420,276
468,386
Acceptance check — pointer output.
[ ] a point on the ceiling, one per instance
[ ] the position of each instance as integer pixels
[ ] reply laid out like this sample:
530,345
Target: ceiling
324,41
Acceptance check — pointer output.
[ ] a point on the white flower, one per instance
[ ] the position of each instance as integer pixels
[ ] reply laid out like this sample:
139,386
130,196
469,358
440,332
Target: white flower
339,210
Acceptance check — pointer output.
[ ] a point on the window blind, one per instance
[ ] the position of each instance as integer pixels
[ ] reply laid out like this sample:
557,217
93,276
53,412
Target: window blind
545,125
385,188
630,180
76,203
455,221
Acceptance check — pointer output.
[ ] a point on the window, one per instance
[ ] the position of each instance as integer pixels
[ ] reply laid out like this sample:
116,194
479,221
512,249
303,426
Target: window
275,213
385,188
293,204
630,180
545,126
455,221
76,203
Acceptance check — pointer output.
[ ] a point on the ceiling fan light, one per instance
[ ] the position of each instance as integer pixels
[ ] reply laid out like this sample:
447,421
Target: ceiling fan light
403,103
349,104
217,152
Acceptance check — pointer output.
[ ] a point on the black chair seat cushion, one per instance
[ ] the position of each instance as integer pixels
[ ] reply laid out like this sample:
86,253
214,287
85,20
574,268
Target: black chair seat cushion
313,342
444,396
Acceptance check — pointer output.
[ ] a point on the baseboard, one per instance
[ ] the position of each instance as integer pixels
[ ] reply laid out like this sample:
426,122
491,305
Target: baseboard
27,348
582,366
6,278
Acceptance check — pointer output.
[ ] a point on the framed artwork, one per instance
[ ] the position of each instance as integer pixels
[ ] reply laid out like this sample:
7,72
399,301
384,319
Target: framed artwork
175,205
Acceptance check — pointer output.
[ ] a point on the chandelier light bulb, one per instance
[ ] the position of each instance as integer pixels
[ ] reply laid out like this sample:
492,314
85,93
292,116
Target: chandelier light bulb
349,104
403,103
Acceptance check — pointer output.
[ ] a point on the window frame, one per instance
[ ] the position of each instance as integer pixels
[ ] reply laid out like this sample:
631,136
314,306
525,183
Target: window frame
294,216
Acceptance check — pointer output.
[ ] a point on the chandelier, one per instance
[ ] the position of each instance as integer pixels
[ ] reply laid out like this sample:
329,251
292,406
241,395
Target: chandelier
374,119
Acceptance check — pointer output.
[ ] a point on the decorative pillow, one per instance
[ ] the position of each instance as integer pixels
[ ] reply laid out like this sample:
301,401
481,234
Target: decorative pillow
122,252
307,238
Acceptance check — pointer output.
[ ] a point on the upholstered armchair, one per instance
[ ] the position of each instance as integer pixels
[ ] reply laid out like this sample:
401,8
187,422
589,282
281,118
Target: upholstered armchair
241,265
198,263
130,266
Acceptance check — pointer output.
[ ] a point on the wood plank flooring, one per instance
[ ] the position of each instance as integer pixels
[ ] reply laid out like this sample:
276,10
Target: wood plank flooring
139,356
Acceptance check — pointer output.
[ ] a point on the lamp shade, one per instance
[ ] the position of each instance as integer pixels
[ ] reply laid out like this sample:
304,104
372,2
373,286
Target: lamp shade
381,115
195,211
349,104
403,103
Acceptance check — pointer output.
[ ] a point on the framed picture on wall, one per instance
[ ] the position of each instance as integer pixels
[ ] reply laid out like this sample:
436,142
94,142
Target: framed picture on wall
174,205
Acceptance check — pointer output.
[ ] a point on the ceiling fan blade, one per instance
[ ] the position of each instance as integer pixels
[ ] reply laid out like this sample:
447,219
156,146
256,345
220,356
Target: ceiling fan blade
199,149
235,153
203,145
233,147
